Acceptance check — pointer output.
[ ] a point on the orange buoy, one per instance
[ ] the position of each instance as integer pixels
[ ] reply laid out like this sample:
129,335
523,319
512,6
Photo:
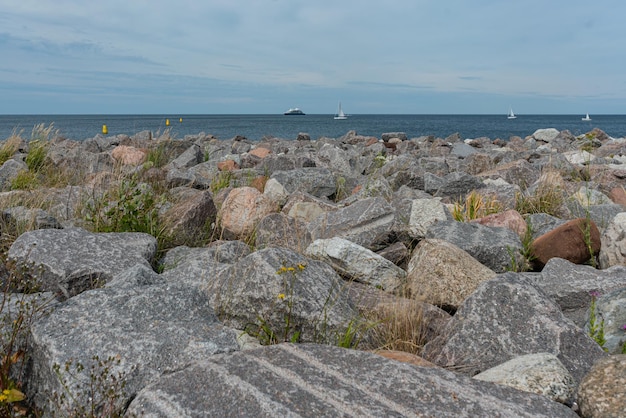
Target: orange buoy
180,120
105,130
167,122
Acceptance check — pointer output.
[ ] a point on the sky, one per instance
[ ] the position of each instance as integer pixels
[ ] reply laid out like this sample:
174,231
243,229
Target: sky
265,56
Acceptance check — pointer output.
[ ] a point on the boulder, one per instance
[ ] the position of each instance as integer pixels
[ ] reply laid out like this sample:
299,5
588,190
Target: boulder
277,294
541,373
137,334
618,195
355,262
571,285
190,219
318,182
424,213
613,243
610,314
568,241
192,156
602,393
546,135
493,247
199,266
280,230
507,317
443,274
70,261
310,380
126,155
367,222
457,184
242,209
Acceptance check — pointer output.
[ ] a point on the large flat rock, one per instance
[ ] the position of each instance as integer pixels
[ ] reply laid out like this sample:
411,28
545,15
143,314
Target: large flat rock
310,380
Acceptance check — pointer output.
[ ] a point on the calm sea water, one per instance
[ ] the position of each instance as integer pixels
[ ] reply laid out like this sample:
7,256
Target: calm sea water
255,127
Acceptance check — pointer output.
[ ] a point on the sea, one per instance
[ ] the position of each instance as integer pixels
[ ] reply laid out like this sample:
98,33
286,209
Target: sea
258,127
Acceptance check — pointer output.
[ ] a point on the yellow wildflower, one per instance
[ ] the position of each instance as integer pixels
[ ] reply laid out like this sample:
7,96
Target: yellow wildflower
281,296
291,269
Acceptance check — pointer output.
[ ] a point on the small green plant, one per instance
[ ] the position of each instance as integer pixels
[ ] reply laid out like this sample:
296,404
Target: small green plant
545,199
132,207
37,153
102,396
221,181
157,156
596,328
380,160
290,332
10,147
475,206
25,180
526,252
624,345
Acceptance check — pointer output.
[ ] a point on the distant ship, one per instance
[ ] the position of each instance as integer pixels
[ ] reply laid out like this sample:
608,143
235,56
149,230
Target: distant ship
511,114
294,111
586,117
340,115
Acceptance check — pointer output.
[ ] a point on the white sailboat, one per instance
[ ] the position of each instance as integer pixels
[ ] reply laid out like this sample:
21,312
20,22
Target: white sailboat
340,115
586,117
511,114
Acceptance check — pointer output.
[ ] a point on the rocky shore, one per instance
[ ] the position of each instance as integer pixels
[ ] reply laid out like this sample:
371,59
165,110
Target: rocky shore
201,277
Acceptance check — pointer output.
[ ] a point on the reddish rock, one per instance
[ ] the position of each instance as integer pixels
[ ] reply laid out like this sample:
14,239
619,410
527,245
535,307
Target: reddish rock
259,183
371,141
128,155
509,219
242,209
260,152
618,195
228,165
567,242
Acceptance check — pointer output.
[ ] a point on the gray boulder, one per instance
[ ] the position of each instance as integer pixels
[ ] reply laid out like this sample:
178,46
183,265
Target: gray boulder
69,261
611,308
8,171
367,222
192,156
138,333
507,317
540,373
309,380
276,294
570,285
492,246
457,184
199,266
318,182
280,230
355,262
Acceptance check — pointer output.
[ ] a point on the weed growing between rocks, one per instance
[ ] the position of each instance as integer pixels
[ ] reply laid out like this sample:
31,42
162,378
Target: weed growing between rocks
596,327
475,206
526,252
286,304
398,326
544,199
131,207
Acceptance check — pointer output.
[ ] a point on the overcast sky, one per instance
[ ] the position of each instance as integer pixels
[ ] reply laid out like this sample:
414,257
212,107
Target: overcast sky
264,56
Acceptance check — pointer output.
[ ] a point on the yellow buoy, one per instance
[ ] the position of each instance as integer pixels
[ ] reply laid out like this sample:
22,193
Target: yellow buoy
105,130
167,122
180,120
